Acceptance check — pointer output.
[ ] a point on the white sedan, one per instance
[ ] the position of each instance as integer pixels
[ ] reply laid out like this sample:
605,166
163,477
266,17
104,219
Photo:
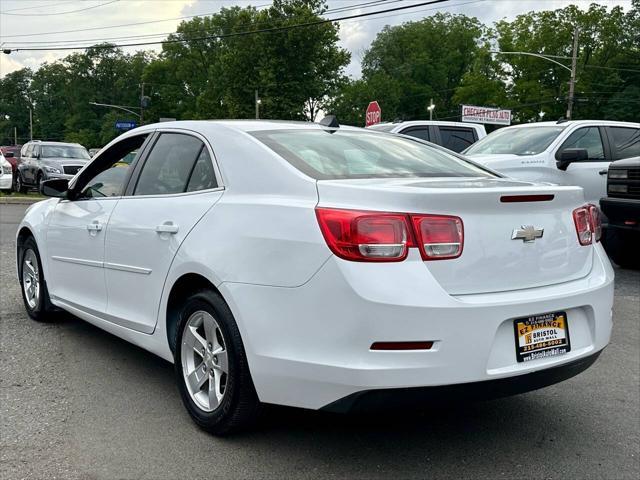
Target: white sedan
320,266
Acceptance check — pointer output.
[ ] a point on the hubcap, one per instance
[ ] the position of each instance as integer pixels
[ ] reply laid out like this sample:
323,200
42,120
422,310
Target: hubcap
30,278
204,360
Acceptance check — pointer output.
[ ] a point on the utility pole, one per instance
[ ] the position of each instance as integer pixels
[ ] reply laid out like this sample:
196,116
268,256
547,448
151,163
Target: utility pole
142,101
15,135
572,82
430,108
257,100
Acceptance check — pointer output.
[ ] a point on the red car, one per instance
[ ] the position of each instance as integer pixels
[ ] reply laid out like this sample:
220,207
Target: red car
11,153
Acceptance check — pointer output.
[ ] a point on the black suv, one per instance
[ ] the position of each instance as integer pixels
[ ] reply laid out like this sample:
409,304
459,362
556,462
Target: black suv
622,208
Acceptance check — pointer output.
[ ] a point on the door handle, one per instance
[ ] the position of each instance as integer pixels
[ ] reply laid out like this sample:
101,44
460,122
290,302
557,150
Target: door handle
94,227
167,227
603,172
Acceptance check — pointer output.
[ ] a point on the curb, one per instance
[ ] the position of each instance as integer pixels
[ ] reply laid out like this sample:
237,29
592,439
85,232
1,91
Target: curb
19,200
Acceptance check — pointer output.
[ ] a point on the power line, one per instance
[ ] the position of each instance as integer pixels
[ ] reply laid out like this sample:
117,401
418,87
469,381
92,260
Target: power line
235,34
59,13
35,7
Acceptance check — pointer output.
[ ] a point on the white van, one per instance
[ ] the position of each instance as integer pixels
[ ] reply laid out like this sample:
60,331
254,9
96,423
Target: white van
565,152
455,136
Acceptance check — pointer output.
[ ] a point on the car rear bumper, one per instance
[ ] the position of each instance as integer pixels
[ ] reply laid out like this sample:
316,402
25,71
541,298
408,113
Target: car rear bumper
622,213
310,346
6,180
403,398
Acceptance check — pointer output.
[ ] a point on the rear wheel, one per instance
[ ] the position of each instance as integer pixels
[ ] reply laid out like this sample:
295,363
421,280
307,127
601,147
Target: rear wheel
211,366
34,287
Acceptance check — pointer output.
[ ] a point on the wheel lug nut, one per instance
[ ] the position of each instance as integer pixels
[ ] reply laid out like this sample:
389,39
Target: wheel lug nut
215,359
210,346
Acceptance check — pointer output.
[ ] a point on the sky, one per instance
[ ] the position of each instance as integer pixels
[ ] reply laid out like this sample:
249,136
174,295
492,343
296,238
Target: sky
39,22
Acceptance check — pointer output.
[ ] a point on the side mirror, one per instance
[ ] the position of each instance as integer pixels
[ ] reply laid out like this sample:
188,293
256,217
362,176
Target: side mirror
56,187
570,155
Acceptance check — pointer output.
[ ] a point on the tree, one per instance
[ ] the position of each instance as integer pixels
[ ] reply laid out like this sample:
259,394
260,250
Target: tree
15,103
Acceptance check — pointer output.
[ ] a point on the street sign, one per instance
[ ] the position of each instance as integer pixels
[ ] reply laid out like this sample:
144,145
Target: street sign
125,124
373,115
493,116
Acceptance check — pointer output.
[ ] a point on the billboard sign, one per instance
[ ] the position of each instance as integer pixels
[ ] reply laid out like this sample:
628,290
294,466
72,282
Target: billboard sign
494,116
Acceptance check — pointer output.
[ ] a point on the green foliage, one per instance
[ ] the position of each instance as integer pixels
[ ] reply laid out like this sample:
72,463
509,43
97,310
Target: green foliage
299,72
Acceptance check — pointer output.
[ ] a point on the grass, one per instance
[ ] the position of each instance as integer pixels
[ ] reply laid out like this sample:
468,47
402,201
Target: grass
30,194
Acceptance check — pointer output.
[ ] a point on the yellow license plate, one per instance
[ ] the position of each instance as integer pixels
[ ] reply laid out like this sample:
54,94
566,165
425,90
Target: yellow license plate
541,336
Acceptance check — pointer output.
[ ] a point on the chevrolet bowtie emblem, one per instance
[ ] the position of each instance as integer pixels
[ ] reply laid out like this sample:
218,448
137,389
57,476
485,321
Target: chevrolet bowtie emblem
527,233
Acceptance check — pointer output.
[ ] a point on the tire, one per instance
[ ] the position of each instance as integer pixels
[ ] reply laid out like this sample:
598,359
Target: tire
620,246
219,402
33,286
20,187
39,180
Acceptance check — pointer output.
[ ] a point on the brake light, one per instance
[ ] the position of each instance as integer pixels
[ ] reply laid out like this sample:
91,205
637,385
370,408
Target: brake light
364,236
438,236
584,224
596,222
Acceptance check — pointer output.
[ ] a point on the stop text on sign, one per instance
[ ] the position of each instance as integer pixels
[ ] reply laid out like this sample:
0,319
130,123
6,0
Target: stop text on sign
495,116
373,114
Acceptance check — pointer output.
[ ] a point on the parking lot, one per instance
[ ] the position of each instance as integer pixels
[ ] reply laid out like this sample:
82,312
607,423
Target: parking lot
76,402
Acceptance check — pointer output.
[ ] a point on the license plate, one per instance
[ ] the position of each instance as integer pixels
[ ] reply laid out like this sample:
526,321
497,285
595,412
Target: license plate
541,336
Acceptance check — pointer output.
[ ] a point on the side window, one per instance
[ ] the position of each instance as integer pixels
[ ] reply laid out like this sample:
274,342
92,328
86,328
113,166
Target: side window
27,153
587,138
626,142
112,169
419,132
36,151
203,176
168,167
456,139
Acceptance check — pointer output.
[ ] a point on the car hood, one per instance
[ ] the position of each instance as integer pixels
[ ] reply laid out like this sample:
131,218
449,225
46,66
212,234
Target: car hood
499,161
58,162
627,162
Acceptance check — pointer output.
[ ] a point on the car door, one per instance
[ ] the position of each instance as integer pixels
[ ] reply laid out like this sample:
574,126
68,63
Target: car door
76,233
457,139
174,186
25,163
586,173
624,141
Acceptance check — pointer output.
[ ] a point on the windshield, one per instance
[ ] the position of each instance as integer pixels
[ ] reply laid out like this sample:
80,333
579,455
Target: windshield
516,141
358,154
64,151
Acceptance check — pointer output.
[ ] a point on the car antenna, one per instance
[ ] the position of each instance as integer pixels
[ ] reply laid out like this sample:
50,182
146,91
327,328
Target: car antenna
330,121
561,120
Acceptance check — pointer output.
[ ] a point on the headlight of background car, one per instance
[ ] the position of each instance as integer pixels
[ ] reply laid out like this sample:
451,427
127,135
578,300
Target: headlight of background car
617,174
617,188
52,170
6,168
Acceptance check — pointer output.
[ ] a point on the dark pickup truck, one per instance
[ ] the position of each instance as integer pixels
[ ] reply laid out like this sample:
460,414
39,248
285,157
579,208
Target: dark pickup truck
622,208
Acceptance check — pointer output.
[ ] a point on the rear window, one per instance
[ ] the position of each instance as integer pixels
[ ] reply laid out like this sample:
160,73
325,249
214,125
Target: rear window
348,154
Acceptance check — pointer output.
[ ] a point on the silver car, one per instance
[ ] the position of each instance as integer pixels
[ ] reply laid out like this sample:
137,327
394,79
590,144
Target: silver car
40,161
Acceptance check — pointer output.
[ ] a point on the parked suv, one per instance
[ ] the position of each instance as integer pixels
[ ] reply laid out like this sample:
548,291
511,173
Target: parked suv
455,136
40,161
564,152
622,208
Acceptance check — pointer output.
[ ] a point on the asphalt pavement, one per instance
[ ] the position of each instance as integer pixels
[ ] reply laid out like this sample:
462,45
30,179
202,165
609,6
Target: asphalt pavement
77,402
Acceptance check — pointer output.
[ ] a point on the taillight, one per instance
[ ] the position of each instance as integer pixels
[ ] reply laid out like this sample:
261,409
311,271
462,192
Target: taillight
588,224
439,237
364,236
596,222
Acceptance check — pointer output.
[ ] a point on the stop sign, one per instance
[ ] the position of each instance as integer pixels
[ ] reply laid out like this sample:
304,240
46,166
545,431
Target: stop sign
373,115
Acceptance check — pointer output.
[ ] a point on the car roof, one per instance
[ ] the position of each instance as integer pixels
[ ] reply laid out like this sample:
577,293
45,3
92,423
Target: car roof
411,123
567,123
64,144
238,125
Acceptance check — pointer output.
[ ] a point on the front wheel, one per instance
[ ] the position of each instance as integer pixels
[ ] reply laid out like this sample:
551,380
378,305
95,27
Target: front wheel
211,366
34,287
20,187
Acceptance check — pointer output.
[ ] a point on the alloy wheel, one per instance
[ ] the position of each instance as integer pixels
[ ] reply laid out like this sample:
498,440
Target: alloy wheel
205,366
31,278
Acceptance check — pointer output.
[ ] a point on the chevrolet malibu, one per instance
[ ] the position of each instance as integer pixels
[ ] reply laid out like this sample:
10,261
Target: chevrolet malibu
320,266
